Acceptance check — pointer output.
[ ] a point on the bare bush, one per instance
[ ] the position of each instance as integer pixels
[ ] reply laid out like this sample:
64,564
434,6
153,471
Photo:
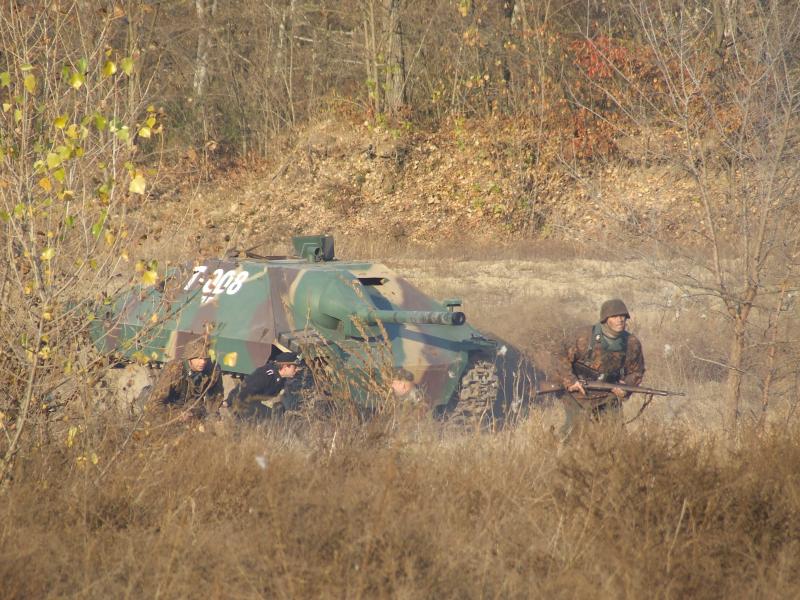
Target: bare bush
72,123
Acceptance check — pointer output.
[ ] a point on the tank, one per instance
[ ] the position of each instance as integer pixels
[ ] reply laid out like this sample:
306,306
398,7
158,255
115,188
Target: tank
351,321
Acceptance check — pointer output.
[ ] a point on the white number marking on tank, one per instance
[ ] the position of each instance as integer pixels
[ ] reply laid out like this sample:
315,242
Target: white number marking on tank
221,281
197,272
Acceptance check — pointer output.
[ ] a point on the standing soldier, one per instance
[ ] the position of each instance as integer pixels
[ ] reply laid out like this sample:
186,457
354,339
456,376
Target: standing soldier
192,384
602,352
260,395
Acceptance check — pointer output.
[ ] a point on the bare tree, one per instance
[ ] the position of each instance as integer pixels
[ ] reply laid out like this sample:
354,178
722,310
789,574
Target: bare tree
395,59
731,125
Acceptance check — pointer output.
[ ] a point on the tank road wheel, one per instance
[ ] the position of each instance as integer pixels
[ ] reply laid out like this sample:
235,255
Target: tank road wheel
476,401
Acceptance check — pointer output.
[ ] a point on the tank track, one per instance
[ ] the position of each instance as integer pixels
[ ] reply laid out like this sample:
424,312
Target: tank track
476,402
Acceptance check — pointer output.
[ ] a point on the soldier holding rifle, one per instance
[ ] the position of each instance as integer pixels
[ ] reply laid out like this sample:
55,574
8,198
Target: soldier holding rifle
604,352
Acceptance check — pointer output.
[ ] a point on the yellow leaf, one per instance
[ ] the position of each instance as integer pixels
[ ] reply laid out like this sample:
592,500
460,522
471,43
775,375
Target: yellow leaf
47,316
149,277
60,122
53,160
109,68
229,360
30,83
137,185
125,257
109,238
154,318
45,184
48,254
127,66
94,458
73,431
139,266
76,80
6,107
144,132
73,131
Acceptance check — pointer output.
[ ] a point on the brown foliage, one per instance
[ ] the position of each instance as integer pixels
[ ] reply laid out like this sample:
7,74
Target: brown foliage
385,513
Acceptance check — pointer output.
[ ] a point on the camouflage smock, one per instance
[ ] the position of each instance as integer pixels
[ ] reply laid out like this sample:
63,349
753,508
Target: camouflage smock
623,363
178,387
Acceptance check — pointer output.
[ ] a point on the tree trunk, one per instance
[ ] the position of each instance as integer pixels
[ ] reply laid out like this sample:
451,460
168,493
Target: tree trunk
395,63
205,10
733,385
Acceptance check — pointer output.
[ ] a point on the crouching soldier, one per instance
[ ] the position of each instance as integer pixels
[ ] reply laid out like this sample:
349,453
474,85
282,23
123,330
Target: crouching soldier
191,386
260,394
403,386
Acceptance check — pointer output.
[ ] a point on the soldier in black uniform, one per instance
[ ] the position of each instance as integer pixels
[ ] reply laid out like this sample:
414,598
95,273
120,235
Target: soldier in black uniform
192,384
260,395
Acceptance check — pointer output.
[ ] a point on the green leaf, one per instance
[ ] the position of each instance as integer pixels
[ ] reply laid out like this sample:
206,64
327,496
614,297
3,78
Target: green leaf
5,79
76,80
137,185
100,122
26,67
4,216
123,133
64,152
97,228
59,175
69,221
30,83
83,65
126,64
19,210
53,160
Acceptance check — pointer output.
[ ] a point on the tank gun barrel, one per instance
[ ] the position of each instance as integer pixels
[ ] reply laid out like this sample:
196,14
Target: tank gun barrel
445,317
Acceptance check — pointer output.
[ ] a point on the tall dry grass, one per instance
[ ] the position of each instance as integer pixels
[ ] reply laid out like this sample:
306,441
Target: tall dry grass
408,511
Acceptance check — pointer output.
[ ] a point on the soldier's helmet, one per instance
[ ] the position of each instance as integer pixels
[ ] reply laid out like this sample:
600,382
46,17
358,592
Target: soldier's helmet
402,374
612,308
195,348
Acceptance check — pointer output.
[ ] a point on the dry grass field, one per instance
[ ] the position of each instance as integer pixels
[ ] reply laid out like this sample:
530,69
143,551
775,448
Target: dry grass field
404,508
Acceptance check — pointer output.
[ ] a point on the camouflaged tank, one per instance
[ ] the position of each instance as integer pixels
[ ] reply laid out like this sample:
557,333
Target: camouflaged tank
356,320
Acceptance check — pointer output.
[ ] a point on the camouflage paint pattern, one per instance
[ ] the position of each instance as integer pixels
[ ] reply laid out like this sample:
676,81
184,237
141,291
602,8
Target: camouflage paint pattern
360,314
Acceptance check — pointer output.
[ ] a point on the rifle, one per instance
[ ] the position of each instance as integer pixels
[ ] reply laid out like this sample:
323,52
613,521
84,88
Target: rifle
604,386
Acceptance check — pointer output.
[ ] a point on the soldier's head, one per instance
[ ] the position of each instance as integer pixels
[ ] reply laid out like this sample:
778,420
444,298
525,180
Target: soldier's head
402,381
614,314
195,351
288,364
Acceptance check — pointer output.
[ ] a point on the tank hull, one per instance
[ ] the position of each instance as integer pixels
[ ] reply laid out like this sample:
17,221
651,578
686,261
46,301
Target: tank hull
359,319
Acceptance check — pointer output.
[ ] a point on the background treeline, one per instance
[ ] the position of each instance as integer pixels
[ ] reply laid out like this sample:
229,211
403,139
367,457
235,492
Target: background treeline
234,74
